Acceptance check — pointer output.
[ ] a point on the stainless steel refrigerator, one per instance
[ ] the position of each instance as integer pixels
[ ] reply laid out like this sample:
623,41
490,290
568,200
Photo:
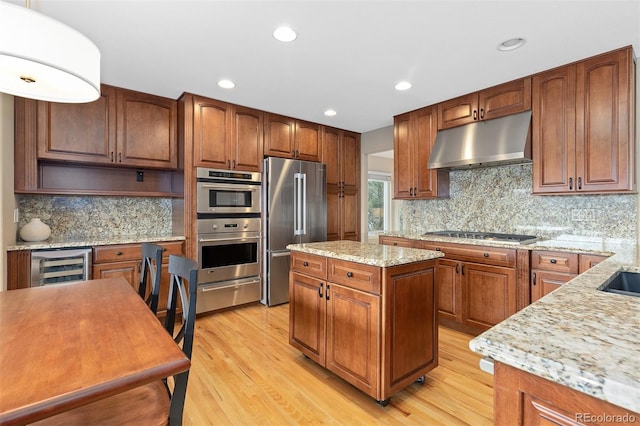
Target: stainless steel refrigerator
295,211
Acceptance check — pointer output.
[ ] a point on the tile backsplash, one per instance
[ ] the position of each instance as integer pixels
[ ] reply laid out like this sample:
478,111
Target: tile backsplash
498,199
82,216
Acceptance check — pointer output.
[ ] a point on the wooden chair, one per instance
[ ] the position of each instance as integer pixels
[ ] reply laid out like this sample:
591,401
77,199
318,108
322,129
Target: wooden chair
150,275
158,403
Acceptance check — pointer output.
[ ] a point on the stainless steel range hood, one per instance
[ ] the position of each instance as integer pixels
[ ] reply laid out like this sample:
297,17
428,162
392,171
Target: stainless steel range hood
504,140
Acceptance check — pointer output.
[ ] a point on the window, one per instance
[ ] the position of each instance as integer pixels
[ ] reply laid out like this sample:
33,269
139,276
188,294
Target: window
378,216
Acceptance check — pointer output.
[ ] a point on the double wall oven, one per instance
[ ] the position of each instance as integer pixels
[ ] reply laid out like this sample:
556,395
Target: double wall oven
228,232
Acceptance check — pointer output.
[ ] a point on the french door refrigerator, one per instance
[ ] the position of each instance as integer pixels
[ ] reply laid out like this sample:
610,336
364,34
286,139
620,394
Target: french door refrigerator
295,211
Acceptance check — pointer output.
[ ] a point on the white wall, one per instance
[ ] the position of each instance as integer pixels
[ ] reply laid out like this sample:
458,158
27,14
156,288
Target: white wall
8,200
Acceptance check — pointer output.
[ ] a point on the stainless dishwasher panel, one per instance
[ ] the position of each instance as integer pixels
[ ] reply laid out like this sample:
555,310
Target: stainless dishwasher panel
62,266
225,294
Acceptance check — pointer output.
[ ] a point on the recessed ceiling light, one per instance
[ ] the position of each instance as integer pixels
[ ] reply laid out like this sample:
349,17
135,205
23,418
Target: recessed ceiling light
285,34
330,113
226,84
511,44
403,85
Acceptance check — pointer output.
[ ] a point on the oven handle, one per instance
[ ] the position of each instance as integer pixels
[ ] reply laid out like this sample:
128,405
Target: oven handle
215,240
228,186
235,285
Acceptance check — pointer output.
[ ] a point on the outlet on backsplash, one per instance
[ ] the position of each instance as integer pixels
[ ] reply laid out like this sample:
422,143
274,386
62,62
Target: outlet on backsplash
583,215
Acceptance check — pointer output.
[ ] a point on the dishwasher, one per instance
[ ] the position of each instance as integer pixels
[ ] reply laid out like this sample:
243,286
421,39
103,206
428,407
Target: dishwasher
60,266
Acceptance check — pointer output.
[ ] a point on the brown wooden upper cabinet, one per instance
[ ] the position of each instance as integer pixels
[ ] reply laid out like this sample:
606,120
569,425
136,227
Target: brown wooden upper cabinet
341,154
123,127
287,137
583,132
413,136
226,136
494,102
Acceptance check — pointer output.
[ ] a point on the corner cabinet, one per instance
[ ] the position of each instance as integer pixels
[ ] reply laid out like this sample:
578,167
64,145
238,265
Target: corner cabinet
583,126
505,99
414,134
287,137
341,154
374,327
226,136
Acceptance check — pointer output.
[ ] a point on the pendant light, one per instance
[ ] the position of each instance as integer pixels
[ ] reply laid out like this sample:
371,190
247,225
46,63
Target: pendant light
41,58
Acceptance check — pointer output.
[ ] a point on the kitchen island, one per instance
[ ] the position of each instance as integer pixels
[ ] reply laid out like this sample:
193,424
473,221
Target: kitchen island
365,312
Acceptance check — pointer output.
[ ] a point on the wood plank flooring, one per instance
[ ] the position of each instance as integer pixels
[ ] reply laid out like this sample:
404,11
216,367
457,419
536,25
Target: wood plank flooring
245,373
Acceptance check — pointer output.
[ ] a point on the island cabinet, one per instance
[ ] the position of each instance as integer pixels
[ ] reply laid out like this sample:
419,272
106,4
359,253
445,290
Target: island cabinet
479,286
583,126
124,260
341,154
414,134
375,327
551,269
226,136
507,98
287,137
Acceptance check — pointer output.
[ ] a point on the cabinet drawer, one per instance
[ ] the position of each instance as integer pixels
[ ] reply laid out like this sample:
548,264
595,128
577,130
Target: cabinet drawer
173,247
396,241
354,275
480,254
588,261
309,264
554,261
117,253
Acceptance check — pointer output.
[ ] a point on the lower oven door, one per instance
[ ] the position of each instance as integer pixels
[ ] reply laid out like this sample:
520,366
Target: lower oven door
228,256
227,293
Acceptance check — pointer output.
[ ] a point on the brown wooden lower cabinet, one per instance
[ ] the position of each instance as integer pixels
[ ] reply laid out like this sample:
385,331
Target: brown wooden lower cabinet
18,269
521,398
374,327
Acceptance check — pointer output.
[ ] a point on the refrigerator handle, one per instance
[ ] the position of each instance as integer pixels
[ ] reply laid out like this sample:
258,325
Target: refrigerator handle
297,203
304,204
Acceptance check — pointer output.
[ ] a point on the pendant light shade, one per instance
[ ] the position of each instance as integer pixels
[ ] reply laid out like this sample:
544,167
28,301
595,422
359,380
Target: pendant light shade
41,58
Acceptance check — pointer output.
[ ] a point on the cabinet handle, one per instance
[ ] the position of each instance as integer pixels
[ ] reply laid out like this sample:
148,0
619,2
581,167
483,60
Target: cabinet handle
415,192
570,184
579,183
481,113
233,163
112,156
305,263
119,157
328,292
457,269
228,164
411,192
462,269
349,274
320,290
554,261
485,254
475,114
533,278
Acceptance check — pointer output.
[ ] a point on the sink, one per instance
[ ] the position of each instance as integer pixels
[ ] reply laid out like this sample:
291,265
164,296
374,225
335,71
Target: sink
627,283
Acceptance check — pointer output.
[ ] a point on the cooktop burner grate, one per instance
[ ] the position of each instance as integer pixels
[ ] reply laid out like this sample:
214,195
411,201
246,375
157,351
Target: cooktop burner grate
490,236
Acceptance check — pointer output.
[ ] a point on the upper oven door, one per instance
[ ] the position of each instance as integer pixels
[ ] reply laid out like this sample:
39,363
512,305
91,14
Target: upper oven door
227,198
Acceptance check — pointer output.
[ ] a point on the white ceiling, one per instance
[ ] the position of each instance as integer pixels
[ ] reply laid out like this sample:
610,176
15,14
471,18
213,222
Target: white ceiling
348,55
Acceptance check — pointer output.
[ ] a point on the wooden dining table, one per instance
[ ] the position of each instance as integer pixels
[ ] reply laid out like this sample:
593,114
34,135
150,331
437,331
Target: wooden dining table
63,346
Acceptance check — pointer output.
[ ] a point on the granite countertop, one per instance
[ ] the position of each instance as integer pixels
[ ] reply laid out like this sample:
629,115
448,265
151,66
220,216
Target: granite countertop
577,336
65,242
369,254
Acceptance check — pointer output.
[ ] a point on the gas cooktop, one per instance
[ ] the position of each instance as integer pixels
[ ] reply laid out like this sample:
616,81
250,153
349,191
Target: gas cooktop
489,236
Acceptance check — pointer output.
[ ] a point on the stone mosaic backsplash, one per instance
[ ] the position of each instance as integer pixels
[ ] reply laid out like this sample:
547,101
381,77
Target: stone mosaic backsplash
82,216
498,199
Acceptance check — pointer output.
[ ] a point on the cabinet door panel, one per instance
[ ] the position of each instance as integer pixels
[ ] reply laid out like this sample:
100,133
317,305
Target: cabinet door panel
425,131
307,141
331,155
279,136
489,293
458,111
334,213
350,158
307,306
449,289
402,157
353,324
602,123
211,121
350,210
544,282
78,132
129,270
146,130
505,99
246,147
554,136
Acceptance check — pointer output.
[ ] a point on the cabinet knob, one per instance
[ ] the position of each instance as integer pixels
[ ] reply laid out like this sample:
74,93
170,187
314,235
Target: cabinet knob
395,244
437,248
553,261
349,274
305,263
485,254
119,253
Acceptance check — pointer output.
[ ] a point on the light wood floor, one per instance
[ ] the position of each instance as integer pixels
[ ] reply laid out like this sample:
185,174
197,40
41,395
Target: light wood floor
245,373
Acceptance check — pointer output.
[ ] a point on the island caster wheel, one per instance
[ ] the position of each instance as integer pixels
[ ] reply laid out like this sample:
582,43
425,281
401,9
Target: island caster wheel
420,380
384,402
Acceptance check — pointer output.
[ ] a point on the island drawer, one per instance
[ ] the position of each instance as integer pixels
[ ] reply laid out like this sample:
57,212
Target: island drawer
555,261
309,264
480,254
354,275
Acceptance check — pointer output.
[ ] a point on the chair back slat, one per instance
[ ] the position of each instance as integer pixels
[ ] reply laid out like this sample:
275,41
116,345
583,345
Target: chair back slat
151,274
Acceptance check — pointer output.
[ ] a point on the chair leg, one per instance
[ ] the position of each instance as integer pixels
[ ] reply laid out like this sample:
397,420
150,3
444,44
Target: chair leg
177,399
